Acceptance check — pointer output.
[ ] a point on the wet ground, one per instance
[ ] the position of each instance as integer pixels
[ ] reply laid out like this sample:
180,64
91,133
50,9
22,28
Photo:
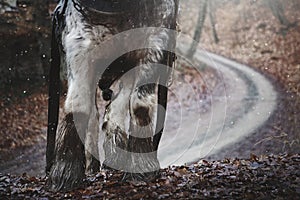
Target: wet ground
30,160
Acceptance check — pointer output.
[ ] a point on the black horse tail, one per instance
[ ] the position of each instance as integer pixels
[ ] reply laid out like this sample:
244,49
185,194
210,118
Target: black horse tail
53,99
54,88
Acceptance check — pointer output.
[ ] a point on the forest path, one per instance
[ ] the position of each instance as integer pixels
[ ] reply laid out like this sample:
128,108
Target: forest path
246,103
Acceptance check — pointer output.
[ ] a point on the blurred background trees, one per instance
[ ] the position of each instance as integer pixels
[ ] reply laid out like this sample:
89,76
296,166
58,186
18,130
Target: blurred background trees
205,8
278,11
25,41
208,8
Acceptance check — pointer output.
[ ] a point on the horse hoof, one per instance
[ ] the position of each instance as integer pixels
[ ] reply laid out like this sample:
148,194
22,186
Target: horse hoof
148,176
65,176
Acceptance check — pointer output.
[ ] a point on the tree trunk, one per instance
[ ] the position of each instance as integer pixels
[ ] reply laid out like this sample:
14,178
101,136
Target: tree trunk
213,21
199,27
278,11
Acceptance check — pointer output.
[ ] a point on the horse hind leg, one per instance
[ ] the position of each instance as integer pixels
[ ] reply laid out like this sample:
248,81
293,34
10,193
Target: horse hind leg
68,169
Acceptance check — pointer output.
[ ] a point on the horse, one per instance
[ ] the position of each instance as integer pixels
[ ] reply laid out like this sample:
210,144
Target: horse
84,45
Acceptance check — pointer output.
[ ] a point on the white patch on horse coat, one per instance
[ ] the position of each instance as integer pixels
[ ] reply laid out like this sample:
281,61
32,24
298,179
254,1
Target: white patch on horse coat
118,111
78,42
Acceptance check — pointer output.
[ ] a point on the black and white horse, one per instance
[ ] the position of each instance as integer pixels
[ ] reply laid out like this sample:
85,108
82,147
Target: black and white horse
134,117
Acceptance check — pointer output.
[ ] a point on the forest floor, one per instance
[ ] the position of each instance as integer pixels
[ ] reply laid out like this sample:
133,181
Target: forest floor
266,177
268,161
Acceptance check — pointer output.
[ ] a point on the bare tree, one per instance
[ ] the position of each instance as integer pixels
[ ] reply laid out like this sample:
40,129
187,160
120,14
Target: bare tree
205,7
211,12
199,27
278,11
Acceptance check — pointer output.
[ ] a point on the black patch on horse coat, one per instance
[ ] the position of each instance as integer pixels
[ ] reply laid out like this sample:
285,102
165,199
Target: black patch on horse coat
142,114
110,6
